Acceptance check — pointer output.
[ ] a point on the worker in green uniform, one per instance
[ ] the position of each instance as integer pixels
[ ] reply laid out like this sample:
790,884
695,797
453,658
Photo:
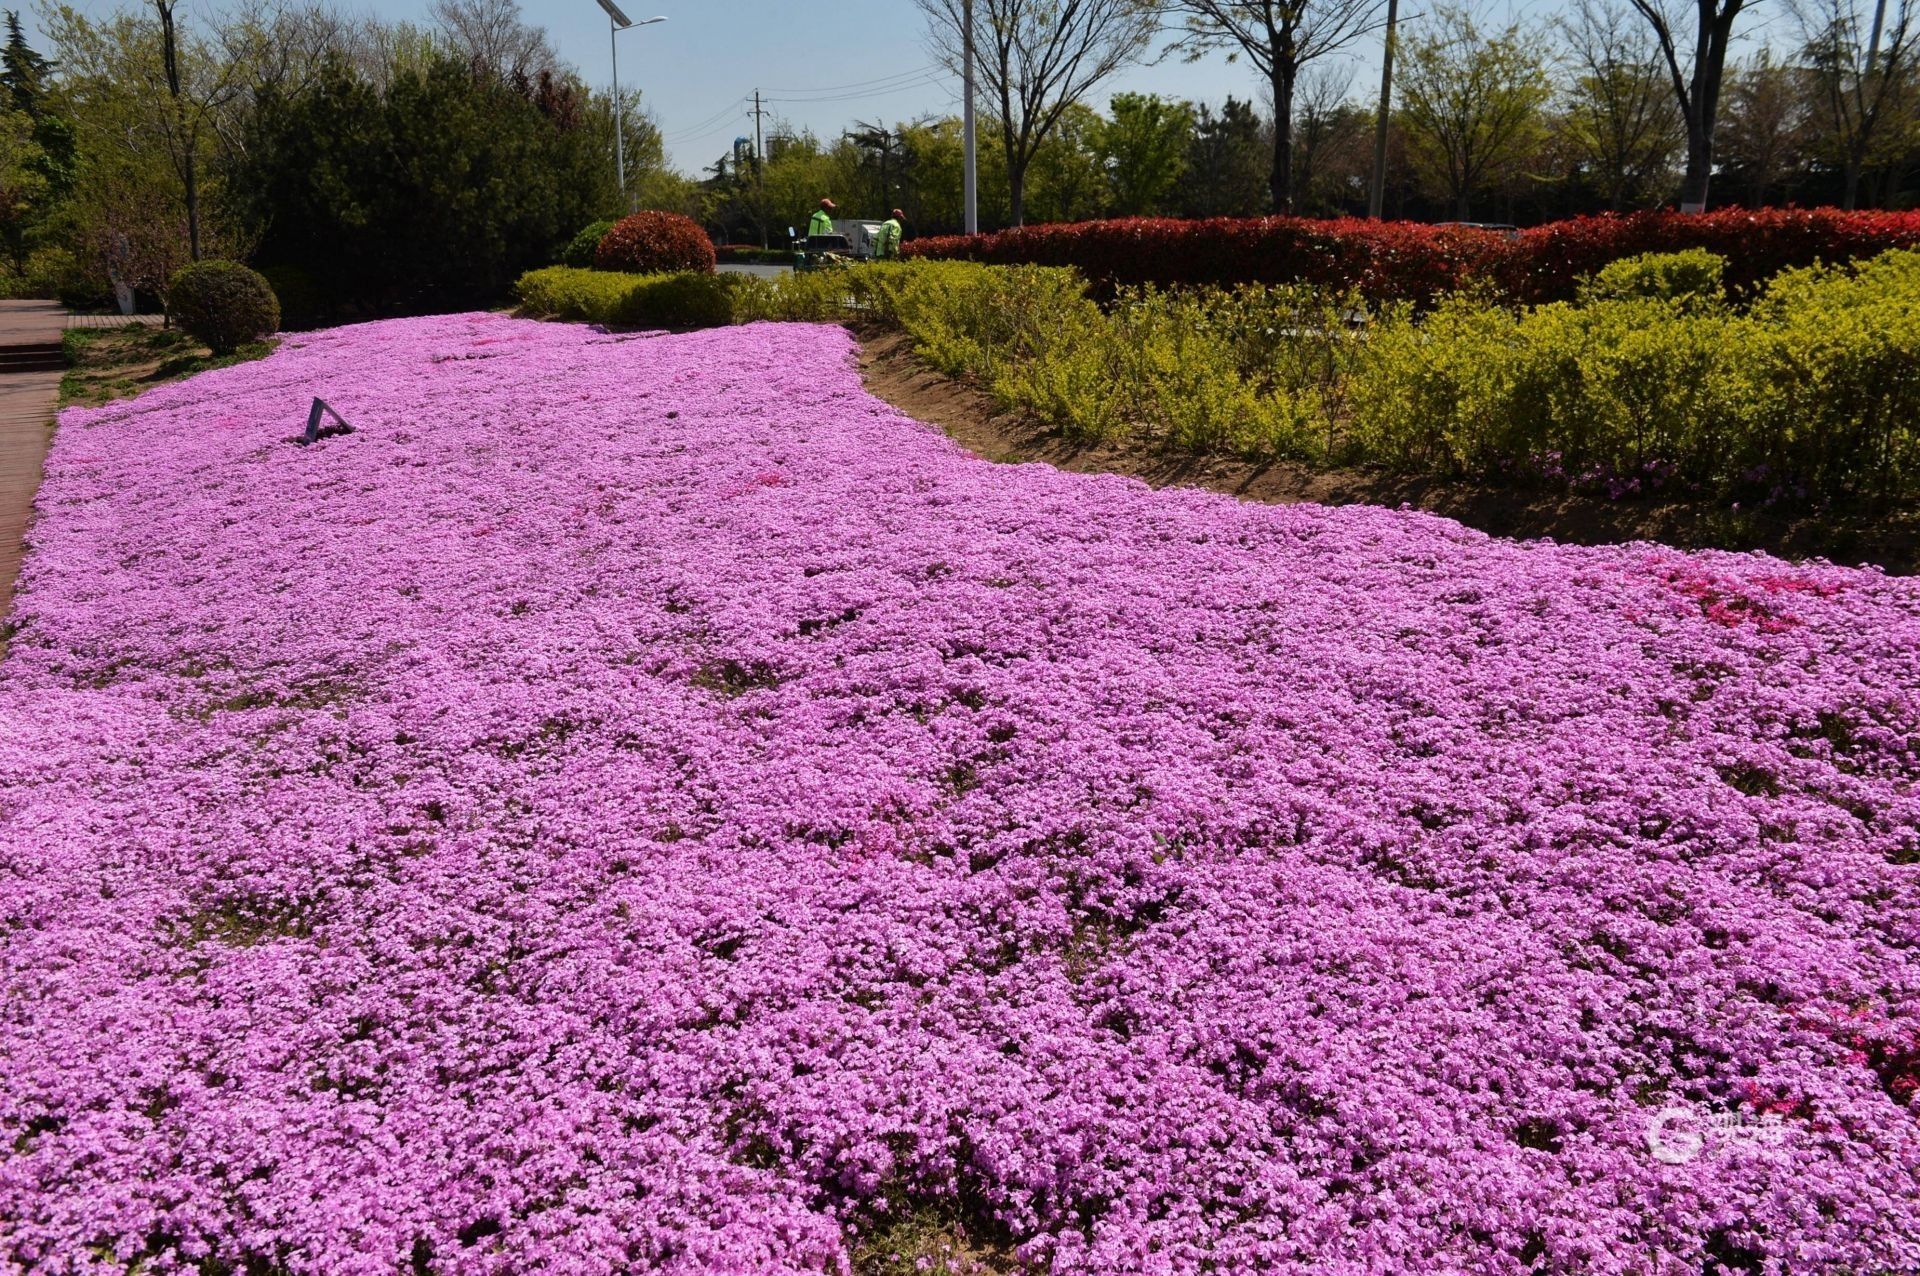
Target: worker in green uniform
886,244
822,223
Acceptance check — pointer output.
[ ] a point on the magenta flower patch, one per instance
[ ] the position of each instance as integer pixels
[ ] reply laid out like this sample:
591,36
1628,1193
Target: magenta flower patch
639,803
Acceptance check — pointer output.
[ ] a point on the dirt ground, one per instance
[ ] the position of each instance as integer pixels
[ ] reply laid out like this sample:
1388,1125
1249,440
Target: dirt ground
115,363
968,414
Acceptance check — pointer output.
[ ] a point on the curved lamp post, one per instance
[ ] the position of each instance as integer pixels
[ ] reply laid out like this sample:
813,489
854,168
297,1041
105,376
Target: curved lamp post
616,23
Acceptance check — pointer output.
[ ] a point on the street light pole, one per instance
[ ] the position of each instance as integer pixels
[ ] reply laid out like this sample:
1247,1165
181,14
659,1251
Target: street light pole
616,23
619,124
970,170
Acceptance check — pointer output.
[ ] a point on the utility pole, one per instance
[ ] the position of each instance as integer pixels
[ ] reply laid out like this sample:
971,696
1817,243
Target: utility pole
1377,197
757,113
970,180
1873,47
759,168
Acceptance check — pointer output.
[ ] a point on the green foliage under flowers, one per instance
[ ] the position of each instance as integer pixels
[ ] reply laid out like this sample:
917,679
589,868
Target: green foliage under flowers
1652,384
224,304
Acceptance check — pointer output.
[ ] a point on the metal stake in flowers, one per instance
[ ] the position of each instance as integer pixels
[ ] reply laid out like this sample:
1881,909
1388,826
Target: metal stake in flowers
315,431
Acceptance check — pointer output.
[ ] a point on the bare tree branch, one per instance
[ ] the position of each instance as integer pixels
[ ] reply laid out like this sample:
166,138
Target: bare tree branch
1036,58
1279,37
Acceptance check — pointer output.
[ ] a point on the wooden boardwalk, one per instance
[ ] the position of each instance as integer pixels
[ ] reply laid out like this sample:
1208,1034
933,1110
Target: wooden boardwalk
26,425
114,321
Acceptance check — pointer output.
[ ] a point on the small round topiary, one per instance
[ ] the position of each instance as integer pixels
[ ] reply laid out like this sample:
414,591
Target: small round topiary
223,304
652,242
581,248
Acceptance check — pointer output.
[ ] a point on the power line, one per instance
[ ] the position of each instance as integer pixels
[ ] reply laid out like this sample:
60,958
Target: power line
858,84
707,125
928,76
923,82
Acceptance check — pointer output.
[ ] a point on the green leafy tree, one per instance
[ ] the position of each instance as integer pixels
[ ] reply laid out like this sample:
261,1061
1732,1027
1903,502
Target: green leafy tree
1766,136
932,199
1227,163
1472,104
23,186
1281,38
1333,136
1865,98
128,215
1144,148
441,185
24,75
36,145
1037,58
1620,118
1067,182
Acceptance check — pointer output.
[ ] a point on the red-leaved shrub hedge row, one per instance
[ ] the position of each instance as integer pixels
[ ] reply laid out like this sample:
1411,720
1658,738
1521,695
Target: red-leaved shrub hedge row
1391,261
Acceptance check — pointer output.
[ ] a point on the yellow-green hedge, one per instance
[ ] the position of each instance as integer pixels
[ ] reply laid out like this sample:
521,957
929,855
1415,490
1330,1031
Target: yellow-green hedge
630,301
1651,383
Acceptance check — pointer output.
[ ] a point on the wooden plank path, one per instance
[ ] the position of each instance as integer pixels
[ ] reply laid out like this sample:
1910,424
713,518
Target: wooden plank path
114,321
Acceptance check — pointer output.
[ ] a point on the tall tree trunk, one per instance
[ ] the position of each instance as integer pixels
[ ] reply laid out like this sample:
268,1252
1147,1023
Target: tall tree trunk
1016,165
186,141
1703,99
1281,179
1693,187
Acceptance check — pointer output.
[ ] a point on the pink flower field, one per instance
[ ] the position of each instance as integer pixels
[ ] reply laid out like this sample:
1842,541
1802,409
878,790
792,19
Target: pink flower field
638,803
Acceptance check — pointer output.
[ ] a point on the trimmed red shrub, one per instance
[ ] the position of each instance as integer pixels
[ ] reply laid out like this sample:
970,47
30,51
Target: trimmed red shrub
1412,261
654,242
1386,260
1757,243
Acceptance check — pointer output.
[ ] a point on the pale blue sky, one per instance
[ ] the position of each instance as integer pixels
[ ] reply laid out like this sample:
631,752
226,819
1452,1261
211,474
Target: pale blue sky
821,64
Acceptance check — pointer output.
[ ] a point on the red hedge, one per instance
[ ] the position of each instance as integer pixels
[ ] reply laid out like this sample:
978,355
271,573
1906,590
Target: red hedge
1413,261
650,242
1757,243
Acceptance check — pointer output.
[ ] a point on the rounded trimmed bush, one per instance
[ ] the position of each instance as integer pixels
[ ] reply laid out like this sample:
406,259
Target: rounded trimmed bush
655,242
1694,276
224,304
582,247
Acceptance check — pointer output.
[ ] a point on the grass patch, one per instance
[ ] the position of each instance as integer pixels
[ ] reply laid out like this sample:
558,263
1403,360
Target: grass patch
117,363
929,1242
